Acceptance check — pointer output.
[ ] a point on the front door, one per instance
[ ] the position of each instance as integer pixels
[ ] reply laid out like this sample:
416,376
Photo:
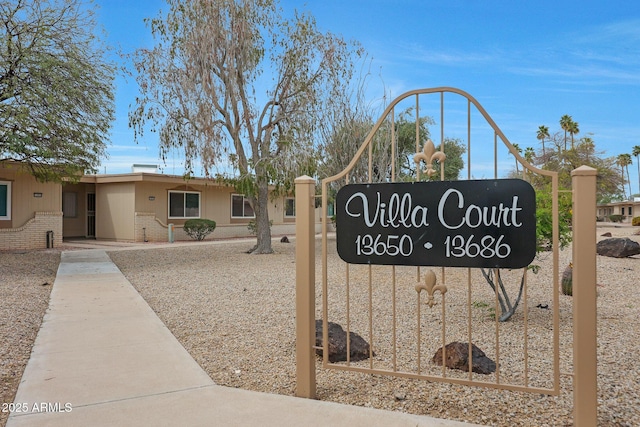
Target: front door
91,215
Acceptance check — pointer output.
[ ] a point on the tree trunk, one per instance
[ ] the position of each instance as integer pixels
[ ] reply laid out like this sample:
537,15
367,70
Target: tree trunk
629,176
263,227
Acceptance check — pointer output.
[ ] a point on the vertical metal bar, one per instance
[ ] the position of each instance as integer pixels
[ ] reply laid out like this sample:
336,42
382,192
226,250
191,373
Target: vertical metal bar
441,121
555,237
417,141
444,338
305,288
468,139
325,280
526,328
393,149
469,323
370,319
442,133
495,155
348,296
585,383
497,323
417,123
371,160
394,326
348,302
419,334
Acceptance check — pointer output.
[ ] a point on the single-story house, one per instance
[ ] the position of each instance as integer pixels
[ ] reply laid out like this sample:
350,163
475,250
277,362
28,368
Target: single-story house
628,209
131,207
30,211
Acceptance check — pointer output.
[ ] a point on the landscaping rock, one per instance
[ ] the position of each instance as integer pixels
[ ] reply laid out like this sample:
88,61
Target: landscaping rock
567,281
618,247
359,348
284,239
607,234
458,358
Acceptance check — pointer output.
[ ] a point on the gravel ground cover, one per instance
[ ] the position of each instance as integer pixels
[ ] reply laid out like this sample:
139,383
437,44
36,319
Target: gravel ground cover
26,279
235,314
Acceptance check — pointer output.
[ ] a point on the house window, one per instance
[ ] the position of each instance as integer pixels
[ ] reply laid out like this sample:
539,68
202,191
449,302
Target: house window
69,204
5,200
240,207
622,211
630,211
289,207
184,204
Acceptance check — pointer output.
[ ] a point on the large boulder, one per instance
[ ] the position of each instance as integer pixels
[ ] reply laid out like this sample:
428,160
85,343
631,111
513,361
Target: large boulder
358,347
618,247
458,358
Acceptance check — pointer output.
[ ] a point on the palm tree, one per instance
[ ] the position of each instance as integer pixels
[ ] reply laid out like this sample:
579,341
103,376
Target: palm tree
636,153
543,133
589,146
519,150
624,160
573,129
565,124
529,154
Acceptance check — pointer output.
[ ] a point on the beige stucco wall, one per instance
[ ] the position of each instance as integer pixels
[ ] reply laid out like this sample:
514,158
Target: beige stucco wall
31,217
115,211
151,212
215,203
133,207
23,203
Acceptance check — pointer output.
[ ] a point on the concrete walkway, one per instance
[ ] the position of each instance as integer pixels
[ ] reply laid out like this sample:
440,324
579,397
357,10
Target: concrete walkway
103,358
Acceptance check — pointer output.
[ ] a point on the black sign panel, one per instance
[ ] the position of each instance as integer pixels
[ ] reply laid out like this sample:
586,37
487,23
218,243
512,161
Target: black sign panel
481,223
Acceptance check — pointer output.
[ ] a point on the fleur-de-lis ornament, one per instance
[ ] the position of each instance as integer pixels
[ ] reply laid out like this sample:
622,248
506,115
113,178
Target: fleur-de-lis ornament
429,155
430,286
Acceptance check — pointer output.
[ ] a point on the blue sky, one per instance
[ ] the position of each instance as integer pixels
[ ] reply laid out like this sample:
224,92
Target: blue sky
528,63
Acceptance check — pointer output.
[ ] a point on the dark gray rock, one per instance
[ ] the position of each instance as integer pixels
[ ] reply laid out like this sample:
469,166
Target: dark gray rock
284,239
359,348
457,357
566,282
618,247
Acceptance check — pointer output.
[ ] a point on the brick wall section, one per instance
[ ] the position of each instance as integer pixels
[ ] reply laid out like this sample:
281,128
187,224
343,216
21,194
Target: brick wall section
156,231
33,234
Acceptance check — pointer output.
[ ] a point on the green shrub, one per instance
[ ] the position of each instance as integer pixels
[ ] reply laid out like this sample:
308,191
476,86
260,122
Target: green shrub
635,221
544,220
198,229
615,218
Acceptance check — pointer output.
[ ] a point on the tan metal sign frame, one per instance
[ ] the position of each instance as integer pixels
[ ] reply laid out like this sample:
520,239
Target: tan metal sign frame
433,281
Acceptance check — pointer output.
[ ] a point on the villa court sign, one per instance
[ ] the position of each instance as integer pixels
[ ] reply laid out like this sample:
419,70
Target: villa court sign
477,223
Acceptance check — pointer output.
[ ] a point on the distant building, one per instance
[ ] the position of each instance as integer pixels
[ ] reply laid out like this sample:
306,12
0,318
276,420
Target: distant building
626,208
132,207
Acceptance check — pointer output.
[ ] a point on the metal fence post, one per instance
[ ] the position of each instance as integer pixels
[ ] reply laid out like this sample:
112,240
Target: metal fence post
585,384
305,288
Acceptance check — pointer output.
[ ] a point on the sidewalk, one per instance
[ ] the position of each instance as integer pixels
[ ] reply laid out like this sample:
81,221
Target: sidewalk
103,358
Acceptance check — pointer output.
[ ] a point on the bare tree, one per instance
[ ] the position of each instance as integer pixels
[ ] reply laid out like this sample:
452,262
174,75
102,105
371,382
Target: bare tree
237,81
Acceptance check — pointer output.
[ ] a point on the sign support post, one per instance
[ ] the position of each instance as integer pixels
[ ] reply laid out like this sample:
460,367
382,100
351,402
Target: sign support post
305,287
585,383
